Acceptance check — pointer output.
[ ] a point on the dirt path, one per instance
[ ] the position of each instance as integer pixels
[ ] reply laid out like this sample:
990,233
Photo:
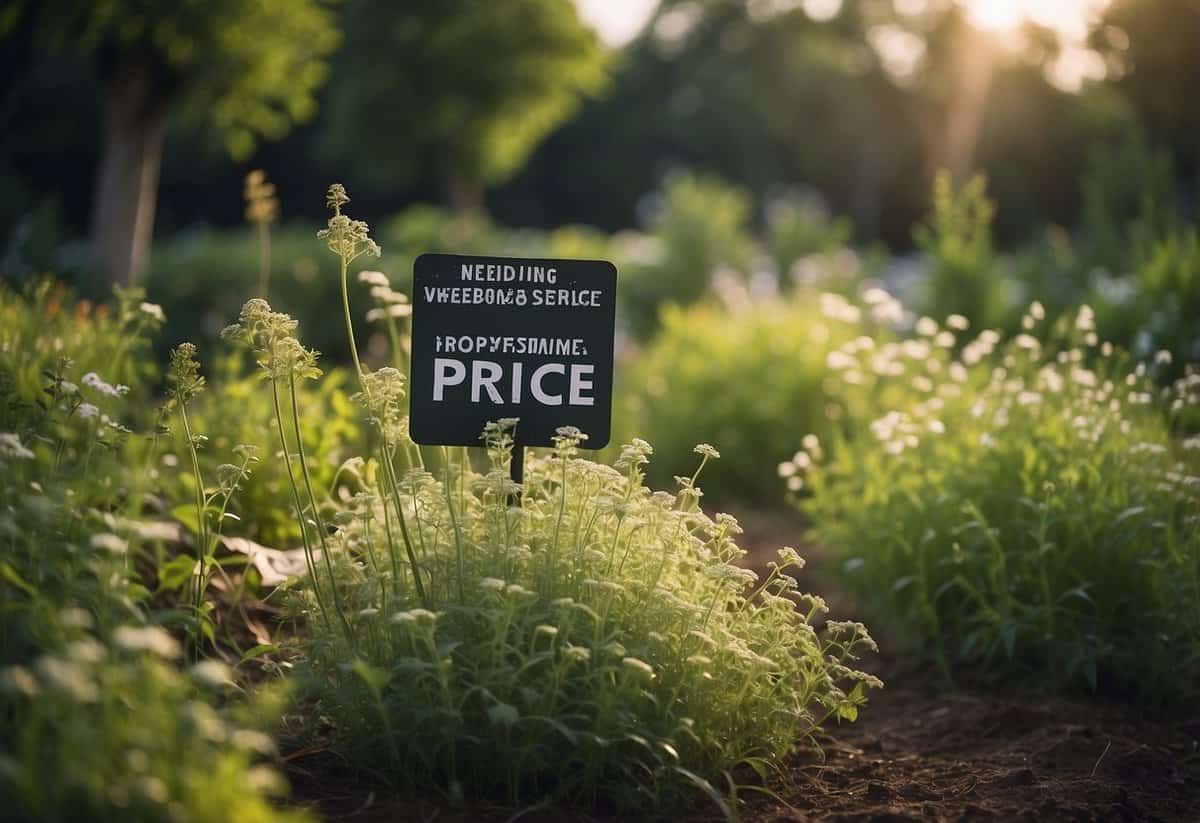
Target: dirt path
917,752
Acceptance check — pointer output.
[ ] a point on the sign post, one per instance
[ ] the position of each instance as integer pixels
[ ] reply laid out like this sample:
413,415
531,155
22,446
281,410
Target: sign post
497,337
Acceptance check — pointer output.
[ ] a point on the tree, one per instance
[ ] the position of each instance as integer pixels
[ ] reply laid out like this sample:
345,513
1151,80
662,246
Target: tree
246,69
1152,54
464,88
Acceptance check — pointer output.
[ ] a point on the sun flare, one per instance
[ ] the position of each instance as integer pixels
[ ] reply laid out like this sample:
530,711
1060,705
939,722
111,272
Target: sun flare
1068,17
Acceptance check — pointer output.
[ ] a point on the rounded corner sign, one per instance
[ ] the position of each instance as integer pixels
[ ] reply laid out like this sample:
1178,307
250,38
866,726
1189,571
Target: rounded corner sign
497,337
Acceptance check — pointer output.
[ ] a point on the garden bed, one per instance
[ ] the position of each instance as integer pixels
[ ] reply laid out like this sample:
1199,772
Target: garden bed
919,751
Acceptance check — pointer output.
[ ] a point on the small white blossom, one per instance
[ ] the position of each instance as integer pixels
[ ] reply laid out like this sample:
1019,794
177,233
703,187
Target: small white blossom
10,446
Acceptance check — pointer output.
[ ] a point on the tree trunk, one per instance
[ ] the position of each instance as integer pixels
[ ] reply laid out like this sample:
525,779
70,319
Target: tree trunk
127,177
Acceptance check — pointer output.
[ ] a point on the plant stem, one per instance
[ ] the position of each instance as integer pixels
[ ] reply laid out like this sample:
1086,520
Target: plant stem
308,551
201,520
325,554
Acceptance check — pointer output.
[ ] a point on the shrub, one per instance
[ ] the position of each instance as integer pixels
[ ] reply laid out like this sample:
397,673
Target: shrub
97,720
748,377
1023,508
593,641
699,228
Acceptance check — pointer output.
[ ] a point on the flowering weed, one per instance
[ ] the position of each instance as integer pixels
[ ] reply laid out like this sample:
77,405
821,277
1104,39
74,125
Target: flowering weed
1023,504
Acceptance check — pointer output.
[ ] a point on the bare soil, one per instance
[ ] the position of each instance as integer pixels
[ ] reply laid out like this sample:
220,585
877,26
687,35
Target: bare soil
919,751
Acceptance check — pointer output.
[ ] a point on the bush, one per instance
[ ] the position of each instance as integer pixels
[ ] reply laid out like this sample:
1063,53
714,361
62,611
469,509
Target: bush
699,228
98,722
1027,516
748,377
593,641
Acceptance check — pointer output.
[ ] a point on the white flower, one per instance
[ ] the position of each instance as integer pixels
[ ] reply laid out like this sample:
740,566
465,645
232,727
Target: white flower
146,639
927,327
10,446
95,381
1086,319
1028,341
786,470
958,322
110,543
838,360
1162,358
154,311
373,278
87,411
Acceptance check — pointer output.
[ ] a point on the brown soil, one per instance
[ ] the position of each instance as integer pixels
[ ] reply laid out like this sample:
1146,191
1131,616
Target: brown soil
917,752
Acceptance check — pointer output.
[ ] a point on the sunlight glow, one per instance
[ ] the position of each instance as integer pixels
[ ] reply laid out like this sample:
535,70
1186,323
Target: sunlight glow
1069,18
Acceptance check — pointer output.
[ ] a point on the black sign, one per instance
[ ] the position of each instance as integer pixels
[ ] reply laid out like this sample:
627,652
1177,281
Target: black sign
497,337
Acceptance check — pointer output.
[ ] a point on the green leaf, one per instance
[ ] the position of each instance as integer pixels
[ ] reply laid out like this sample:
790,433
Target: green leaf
10,574
259,651
174,573
186,514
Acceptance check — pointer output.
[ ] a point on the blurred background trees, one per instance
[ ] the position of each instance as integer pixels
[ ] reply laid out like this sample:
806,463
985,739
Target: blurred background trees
1079,113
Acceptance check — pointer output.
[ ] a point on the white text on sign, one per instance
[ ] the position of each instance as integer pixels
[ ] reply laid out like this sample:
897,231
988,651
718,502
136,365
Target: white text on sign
549,384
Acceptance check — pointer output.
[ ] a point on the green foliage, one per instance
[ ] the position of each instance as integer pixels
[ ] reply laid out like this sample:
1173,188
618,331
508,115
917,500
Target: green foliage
464,88
1022,508
749,376
593,640
964,275
237,412
700,229
97,720
250,68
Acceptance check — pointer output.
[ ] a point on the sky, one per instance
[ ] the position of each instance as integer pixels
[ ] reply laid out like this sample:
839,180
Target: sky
618,21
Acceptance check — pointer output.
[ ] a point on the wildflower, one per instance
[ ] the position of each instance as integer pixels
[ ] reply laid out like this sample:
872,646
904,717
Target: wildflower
184,372
639,667
262,206
374,278
578,654
838,360
545,629
707,451
789,557
87,411
18,680
10,446
212,673
958,322
69,677
1086,319
110,543
786,470
1028,341
795,483
146,639
927,327
94,381
492,584
348,239
1037,311
1162,358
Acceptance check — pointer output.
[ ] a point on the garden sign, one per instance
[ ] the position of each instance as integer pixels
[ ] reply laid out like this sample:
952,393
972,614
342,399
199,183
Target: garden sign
497,337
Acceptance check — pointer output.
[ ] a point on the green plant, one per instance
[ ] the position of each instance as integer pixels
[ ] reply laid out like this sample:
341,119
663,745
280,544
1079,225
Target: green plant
747,377
262,209
1023,507
96,720
700,228
965,276
595,643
